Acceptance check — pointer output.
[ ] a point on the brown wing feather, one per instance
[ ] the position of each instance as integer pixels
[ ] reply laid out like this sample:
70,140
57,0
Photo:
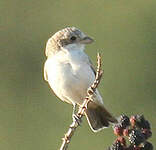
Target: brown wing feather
92,67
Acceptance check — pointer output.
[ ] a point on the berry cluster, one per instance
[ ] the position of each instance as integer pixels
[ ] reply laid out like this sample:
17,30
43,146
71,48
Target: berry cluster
136,129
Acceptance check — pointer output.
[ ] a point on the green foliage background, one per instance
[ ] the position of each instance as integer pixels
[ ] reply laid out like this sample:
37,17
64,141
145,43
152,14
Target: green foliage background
31,117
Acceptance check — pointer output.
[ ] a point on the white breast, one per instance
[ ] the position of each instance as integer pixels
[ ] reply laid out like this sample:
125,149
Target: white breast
69,75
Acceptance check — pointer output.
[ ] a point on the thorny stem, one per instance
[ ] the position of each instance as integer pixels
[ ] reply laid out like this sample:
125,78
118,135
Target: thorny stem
67,137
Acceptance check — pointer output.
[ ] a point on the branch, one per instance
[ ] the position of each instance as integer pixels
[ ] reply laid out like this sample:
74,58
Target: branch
83,107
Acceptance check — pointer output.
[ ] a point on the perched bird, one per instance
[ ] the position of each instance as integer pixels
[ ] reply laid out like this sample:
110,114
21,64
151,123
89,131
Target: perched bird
69,72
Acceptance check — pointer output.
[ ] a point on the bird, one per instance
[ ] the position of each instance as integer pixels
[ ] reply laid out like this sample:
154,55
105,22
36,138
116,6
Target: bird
69,73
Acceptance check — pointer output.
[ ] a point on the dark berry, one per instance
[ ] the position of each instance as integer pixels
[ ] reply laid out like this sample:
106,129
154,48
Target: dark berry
133,121
117,129
136,148
142,123
117,146
124,121
136,137
147,133
147,146
125,132
130,147
121,140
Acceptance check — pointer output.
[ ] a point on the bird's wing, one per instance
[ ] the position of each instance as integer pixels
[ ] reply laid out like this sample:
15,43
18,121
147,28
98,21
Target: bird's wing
97,96
92,67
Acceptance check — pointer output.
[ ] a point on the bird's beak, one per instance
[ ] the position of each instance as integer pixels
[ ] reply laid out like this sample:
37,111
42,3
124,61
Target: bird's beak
86,40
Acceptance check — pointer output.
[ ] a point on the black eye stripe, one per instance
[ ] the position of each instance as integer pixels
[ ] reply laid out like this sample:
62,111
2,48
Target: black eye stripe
73,38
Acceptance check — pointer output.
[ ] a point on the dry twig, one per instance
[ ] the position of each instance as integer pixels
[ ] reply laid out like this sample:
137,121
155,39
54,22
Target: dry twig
90,92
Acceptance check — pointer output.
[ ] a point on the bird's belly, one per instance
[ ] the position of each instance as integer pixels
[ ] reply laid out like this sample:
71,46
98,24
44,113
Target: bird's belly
70,84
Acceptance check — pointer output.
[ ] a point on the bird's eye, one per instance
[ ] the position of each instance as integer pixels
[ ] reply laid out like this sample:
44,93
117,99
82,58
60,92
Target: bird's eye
73,38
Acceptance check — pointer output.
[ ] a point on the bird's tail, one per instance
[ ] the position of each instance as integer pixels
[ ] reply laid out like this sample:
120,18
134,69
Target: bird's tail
98,117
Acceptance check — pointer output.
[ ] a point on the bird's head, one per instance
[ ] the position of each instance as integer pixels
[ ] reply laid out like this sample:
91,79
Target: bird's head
68,38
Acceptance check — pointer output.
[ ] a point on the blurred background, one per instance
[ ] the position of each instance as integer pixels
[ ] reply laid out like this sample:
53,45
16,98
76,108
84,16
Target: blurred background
31,117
